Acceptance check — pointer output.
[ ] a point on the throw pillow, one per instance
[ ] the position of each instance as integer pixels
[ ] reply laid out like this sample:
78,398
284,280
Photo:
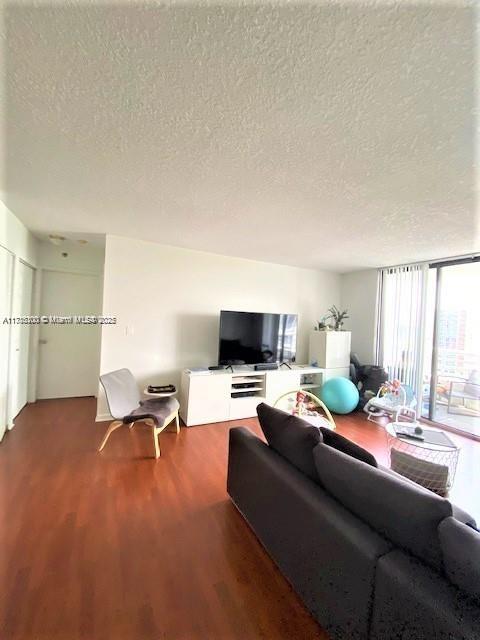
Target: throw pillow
335,440
291,437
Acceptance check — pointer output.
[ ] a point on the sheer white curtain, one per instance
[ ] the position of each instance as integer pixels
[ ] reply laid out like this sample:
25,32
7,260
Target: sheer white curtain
401,323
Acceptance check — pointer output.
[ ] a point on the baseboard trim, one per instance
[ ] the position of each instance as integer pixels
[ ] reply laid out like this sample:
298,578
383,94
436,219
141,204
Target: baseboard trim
103,417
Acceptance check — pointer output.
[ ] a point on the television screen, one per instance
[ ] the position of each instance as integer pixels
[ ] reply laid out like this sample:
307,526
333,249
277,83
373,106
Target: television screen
252,338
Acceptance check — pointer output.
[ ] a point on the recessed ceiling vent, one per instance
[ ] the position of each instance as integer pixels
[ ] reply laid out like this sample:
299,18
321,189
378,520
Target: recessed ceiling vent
56,239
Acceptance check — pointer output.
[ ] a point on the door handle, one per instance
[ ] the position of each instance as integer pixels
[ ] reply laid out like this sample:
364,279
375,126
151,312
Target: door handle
42,341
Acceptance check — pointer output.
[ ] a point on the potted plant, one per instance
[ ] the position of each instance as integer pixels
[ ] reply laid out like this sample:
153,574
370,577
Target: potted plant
329,344
338,318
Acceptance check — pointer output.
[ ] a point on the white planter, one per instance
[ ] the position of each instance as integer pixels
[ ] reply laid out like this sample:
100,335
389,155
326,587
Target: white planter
330,349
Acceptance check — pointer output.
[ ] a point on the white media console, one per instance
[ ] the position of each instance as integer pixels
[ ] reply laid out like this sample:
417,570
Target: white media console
218,396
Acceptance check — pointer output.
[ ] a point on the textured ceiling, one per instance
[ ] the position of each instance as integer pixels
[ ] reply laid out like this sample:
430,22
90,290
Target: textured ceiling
320,135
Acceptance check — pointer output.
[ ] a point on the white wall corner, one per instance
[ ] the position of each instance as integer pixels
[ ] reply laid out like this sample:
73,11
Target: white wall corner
359,292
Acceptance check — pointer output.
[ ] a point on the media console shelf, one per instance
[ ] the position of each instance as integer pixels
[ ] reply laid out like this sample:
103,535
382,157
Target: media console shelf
222,395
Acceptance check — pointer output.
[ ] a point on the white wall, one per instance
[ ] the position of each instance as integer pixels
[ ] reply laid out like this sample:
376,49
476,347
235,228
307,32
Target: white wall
167,301
80,258
15,237
359,296
18,242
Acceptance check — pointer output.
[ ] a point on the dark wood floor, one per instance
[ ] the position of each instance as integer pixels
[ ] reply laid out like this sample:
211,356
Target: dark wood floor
116,546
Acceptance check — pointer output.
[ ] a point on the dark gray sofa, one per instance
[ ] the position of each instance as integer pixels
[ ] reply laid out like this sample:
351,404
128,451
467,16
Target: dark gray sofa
371,555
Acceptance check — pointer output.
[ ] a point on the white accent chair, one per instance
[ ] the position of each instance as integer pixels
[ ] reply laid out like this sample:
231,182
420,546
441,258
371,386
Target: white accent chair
126,407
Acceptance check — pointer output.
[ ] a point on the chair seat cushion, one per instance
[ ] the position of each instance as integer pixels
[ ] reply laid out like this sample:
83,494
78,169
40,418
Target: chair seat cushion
157,409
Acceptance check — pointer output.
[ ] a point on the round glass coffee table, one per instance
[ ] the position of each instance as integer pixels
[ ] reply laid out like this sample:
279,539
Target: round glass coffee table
431,463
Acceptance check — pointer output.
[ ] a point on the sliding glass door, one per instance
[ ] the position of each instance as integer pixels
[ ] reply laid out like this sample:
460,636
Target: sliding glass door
451,378
400,339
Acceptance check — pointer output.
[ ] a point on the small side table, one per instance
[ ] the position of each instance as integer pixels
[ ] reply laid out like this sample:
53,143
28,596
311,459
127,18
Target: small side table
432,466
167,394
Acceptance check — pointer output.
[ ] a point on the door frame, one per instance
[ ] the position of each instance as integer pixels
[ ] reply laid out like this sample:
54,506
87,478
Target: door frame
8,419
439,266
38,300
17,261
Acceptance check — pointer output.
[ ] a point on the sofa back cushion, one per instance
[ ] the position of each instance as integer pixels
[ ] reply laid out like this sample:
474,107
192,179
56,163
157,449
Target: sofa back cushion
291,437
461,555
404,513
339,442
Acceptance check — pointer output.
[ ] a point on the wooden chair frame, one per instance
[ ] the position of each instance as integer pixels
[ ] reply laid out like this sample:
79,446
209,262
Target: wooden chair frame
148,421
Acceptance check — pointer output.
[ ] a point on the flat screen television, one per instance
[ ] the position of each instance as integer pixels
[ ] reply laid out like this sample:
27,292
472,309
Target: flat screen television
253,338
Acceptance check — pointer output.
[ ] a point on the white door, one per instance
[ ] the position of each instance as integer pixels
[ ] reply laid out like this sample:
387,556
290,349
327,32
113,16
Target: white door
6,273
69,354
20,337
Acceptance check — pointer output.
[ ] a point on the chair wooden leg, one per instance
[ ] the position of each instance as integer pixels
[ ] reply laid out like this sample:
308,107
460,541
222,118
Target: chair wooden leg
155,442
113,425
131,424
177,422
